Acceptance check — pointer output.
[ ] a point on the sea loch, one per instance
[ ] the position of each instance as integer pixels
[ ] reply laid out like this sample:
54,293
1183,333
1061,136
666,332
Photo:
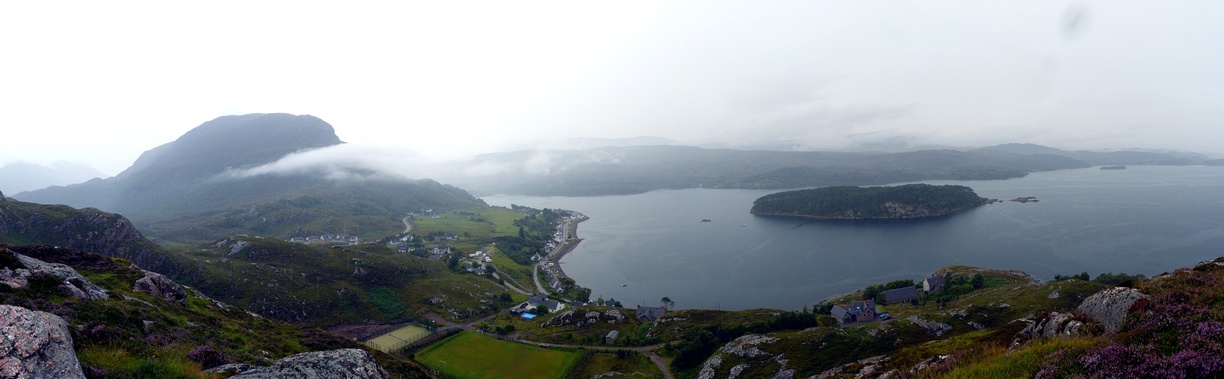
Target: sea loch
1147,219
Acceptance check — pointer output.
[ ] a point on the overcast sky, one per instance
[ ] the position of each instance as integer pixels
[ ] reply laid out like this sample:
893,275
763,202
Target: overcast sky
101,82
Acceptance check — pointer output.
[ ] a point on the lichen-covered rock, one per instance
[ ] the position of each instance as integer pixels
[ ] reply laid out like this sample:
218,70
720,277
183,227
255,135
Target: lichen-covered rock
161,287
74,284
338,364
1110,306
35,345
1051,325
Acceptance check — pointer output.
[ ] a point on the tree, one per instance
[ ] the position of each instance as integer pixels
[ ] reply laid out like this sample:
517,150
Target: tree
978,281
667,303
541,310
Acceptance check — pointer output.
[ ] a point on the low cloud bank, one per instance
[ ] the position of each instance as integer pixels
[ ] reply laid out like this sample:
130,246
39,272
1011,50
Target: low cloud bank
346,162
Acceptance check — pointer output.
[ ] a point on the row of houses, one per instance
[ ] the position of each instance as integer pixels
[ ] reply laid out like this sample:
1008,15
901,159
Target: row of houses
866,311
343,238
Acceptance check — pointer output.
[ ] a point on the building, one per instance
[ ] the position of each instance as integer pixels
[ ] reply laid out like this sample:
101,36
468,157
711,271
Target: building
934,283
858,311
649,314
900,295
538,300
611,337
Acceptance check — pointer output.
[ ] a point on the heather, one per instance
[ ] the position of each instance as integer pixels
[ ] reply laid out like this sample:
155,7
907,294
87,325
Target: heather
1176,332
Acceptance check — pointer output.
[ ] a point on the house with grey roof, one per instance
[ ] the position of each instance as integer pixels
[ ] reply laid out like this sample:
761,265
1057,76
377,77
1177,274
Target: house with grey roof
649,314
900,295
858,311
934,283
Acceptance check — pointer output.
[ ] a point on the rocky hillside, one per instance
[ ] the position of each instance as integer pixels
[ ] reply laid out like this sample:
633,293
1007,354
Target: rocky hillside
1010,326
86,229
70,313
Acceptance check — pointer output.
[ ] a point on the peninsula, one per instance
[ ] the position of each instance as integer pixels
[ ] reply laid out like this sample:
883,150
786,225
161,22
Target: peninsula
865,203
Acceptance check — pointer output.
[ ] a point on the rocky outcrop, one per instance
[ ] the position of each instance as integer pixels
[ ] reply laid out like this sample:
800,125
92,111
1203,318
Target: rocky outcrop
935,328
2,198
161,287
35,345
343,363
1110,306
745,348
73,284
1051,325
85,229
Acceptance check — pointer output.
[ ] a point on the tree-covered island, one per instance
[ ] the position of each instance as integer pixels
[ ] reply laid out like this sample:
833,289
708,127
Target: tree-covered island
861,203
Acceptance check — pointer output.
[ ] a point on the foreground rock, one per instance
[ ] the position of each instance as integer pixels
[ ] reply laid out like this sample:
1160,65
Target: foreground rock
1110,306
162,287
73,284
35,345
343,363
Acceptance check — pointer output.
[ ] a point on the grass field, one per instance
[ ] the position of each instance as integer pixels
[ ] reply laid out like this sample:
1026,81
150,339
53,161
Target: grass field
473,356
493,222
398,339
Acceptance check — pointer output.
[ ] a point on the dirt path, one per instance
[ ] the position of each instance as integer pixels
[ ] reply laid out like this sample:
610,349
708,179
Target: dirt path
407,226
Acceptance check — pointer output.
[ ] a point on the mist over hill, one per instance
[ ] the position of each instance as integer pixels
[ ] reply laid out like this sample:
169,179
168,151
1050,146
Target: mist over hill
19,177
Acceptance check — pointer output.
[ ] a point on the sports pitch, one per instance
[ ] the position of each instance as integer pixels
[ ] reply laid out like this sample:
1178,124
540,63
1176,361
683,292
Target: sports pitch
398,339
473,356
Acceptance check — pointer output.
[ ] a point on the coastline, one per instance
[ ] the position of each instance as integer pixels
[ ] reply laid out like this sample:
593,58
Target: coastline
566,248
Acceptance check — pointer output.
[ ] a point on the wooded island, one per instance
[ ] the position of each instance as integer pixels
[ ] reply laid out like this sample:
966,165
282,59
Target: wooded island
861,203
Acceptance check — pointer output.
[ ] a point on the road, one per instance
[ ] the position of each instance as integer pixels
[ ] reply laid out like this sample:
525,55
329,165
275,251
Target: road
407,226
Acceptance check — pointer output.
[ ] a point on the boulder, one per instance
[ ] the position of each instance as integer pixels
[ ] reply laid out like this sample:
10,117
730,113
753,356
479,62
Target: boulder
342,363
1110,306
35,345
74,284
162,287
1051,325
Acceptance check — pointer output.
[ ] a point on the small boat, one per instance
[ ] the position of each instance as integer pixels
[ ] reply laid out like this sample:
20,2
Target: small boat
624,285
705,220
743,225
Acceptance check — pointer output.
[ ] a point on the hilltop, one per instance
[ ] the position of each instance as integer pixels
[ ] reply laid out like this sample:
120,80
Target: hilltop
186,191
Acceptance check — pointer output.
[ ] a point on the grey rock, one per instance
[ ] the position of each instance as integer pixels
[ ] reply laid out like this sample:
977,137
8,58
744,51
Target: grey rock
1049,325
162,287
343,363
933,327
229,369
35,345
2,198
1110,306
74,283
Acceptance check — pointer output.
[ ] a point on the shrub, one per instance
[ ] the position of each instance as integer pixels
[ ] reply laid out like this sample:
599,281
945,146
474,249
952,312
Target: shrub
206,356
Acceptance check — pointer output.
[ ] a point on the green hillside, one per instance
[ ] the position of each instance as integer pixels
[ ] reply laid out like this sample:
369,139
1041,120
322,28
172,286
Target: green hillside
133,334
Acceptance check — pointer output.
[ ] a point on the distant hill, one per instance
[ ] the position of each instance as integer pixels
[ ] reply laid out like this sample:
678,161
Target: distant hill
612,170
636,169
186,180
1099,158
19,177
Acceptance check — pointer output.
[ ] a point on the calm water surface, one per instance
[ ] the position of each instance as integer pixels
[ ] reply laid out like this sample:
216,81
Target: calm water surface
1141,220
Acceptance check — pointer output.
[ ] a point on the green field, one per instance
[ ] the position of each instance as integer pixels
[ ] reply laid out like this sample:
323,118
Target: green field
471,355
398,339
485,223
